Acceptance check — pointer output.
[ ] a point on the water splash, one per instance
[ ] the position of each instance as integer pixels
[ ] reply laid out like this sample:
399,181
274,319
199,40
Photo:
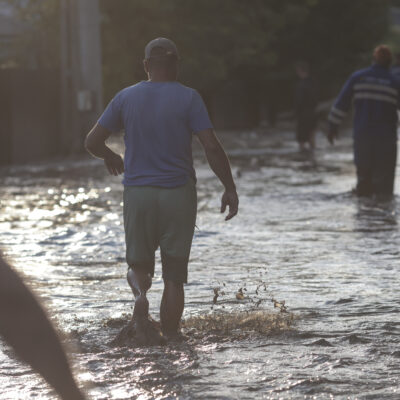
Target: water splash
234,324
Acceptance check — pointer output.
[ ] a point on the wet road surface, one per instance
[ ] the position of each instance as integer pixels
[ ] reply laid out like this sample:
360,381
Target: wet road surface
300,237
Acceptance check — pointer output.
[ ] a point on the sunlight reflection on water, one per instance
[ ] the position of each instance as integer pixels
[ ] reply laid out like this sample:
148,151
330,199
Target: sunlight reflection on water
331,257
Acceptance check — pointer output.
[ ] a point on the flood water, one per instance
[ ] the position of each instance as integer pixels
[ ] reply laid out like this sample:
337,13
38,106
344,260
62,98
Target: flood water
300,237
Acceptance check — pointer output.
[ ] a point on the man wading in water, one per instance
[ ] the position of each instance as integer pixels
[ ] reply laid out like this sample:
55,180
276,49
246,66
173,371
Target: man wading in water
375,93
159,117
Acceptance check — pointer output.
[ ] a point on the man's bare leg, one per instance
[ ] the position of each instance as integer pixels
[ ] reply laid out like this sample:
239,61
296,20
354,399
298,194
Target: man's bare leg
312,140
172,305
302,146
140,283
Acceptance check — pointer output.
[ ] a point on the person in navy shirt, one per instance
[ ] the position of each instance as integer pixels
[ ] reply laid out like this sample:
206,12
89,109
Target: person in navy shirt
374,91
160,116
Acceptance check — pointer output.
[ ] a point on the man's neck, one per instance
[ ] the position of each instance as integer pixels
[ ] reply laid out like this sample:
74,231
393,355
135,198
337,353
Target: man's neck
376,65
161,78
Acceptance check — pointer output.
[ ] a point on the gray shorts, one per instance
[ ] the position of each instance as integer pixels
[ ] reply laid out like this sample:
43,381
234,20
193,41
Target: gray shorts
160,217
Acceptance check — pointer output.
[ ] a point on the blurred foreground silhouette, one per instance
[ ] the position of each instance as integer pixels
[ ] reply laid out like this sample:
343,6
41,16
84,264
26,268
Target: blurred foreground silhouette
25,326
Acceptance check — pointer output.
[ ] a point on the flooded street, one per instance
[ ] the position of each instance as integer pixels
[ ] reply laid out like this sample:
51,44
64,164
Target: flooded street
300,237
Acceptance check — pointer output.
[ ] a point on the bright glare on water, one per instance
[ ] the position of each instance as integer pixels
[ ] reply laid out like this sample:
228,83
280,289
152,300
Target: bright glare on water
300,238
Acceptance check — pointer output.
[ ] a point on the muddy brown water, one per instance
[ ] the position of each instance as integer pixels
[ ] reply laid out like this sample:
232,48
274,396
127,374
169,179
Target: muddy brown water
300,237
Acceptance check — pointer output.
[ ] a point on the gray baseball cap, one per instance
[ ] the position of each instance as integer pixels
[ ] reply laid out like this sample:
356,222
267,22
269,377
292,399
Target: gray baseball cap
168,45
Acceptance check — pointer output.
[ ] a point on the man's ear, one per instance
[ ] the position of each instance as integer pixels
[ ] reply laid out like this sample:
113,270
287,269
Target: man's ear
146,66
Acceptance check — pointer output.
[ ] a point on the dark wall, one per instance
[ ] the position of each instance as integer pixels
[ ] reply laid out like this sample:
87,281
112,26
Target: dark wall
29,115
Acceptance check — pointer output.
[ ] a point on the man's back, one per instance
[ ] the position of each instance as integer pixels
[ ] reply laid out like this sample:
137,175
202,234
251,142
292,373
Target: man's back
159,119
375,93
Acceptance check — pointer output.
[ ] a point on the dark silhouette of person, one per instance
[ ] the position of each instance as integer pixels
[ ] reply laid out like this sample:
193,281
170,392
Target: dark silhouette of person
305,102
374,91
25,326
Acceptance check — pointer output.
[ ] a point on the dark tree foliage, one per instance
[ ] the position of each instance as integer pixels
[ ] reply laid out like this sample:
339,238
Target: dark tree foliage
39,45
337,35
254,41
218,39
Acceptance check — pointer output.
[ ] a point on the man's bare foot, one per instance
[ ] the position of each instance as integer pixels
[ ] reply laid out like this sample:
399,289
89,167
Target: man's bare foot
175,337
141,331
147,332
141,309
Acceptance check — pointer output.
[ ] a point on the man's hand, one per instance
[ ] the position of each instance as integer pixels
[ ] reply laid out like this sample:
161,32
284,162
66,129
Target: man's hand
114,163
219,163
332,133
95,144
230,199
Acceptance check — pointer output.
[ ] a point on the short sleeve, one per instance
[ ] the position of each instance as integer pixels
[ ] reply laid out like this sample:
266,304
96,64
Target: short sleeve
199,119
111,118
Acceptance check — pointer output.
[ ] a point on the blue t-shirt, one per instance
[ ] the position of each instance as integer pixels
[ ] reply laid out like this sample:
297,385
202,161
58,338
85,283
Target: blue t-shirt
159,119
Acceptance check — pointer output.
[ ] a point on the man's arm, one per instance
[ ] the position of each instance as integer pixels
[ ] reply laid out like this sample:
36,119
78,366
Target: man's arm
219,163
25,326
95,144
339,109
